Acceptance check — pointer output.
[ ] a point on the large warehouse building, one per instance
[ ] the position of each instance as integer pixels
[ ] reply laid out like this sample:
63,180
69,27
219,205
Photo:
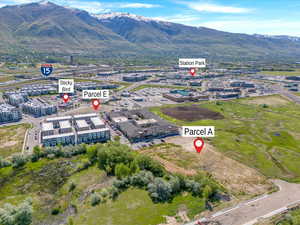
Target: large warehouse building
141,125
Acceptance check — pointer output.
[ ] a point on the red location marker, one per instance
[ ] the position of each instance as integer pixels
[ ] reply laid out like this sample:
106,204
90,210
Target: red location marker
193,71
96,103
198,144
66,98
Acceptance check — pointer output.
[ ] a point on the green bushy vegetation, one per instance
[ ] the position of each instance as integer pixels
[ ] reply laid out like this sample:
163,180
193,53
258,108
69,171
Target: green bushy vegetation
85,178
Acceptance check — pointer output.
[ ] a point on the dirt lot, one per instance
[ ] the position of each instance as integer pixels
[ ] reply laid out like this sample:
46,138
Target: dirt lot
12,138
192,113
180,156
269,100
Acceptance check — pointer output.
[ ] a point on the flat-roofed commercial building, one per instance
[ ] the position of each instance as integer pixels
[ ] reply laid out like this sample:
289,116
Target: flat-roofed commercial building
141,125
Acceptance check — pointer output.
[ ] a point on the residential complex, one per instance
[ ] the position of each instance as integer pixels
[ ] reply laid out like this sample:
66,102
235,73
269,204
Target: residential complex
77,129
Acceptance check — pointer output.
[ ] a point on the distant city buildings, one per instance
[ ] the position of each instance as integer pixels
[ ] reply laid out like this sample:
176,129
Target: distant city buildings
93,86
135,78
77,129
185,95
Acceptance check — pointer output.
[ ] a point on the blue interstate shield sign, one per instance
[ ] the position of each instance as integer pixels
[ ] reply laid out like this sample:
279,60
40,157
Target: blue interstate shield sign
46,69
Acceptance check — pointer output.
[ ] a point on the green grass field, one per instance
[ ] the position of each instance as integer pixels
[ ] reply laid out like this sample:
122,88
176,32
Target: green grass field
12,138
267,139
134,207
282,73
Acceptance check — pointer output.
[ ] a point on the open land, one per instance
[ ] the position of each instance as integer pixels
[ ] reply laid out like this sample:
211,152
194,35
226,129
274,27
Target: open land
12,138
265,138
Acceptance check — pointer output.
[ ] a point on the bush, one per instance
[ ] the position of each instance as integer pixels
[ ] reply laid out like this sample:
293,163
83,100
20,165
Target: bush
141,179
83,164
72,187
17,215
95,199
4,163
104,193
121,171
160,190
146,163
112,154
18,160
55,211
92,153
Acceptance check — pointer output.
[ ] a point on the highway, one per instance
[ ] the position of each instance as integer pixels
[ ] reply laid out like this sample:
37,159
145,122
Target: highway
252,211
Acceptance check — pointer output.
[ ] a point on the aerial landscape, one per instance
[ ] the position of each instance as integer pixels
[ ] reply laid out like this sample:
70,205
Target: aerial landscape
149,112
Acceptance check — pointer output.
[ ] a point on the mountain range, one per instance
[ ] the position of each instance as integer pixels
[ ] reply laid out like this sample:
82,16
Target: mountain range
47,28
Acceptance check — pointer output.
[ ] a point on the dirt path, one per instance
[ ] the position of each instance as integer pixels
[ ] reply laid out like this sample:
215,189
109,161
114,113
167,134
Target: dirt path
252,211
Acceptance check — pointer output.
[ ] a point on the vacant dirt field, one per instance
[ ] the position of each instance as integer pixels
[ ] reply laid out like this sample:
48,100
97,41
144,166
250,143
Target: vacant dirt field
235,176
269,100
192,113
12,138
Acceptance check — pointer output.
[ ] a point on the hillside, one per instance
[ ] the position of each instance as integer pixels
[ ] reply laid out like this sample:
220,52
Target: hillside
50,28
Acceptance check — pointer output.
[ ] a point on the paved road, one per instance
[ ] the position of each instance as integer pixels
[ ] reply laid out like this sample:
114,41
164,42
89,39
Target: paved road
287,94
250,212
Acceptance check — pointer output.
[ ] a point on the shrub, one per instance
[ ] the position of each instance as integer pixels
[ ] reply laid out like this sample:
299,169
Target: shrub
95,199
17,215
72,187
121,171
141,179
55,211
104,193
146,163
18,160
4,163
160,190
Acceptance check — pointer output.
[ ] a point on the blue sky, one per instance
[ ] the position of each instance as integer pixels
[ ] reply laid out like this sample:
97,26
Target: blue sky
274,17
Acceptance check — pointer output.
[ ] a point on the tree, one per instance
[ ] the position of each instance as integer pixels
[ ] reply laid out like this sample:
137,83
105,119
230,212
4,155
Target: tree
17,215
121,171
160,190
146,163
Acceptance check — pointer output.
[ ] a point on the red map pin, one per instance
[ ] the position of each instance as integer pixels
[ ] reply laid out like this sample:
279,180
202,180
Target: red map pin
96,103
198,144
66,98
193,71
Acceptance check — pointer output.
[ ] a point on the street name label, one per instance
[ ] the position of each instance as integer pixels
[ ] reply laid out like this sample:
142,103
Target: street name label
192,63
95,94
198,131
65,86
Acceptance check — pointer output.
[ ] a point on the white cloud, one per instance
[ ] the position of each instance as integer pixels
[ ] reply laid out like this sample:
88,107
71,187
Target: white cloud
138,5
214,8
270,27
